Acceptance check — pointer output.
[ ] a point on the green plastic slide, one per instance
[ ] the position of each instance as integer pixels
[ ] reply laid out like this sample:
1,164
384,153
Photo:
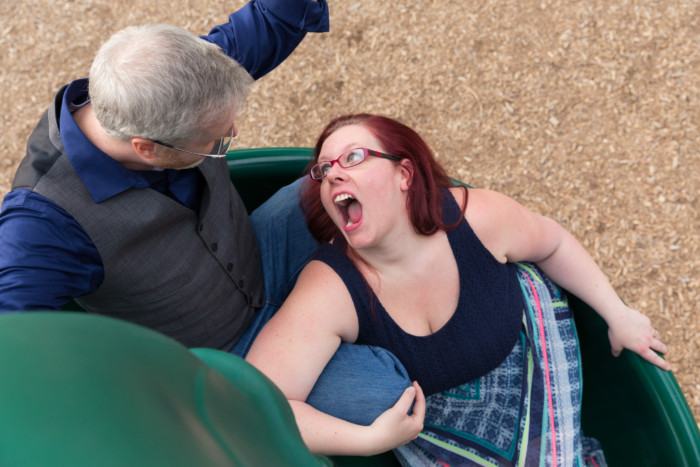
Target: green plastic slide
86,390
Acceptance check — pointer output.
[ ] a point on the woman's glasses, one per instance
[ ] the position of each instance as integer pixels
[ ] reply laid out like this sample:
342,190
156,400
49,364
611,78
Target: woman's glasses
347,160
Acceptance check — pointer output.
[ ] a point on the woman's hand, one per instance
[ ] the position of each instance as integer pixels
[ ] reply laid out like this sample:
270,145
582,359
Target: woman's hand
395,427
331,436
630,329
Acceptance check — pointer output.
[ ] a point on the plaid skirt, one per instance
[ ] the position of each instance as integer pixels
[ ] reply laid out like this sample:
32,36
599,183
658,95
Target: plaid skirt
527,411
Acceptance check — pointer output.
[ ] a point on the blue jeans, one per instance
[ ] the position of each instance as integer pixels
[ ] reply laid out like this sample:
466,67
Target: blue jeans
359,382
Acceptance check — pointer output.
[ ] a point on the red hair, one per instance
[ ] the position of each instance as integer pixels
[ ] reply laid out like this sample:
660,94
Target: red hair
425,194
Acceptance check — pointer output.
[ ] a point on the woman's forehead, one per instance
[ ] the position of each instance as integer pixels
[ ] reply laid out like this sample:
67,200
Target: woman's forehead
347,138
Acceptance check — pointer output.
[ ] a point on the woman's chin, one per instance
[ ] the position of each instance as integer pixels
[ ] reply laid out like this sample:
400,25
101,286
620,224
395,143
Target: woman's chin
352,227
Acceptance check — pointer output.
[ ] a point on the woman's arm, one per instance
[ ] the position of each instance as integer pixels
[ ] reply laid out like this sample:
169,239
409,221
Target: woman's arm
513,233
327,435
293,349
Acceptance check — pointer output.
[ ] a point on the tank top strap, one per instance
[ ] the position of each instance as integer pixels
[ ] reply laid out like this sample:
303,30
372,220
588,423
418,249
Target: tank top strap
333,254
451,210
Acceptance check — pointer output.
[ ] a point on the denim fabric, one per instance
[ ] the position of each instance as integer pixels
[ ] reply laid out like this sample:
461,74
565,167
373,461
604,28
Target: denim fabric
285,247
359,382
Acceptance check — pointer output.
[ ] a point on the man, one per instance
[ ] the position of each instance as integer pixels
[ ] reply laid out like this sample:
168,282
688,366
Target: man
123,201
119,205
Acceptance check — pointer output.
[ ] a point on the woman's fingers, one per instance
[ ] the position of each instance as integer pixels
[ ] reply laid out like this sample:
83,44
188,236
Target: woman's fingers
403,405
419,403
646,342
657,344
656,359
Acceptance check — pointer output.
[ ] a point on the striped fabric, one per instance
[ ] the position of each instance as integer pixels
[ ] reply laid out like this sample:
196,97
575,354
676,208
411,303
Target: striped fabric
526,412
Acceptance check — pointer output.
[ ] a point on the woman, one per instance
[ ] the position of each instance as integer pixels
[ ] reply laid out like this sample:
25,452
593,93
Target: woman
428,271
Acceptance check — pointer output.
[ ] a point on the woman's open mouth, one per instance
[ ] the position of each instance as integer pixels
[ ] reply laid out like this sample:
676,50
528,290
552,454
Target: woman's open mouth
350,210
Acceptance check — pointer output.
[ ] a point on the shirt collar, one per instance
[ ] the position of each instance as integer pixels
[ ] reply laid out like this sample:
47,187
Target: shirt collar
103,176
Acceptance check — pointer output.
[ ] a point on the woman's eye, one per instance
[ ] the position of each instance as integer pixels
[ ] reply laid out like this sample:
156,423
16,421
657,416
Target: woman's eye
354,156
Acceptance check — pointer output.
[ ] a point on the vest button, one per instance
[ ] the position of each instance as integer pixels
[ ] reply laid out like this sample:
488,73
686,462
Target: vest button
229,267
201,226
241,283
214,246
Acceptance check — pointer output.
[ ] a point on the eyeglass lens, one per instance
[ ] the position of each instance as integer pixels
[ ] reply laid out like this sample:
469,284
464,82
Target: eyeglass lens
222,146
352,158
347,160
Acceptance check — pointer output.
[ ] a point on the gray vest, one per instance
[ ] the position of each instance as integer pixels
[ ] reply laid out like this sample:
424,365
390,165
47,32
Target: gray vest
195,278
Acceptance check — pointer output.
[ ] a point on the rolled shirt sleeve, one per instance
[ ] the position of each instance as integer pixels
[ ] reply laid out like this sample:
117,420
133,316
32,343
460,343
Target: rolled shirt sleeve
263,33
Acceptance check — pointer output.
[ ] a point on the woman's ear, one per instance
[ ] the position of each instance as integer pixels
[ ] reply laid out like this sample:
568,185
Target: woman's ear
406,168
143,147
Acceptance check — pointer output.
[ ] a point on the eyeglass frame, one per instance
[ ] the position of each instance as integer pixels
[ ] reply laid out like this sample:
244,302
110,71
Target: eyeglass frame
367,152
216,155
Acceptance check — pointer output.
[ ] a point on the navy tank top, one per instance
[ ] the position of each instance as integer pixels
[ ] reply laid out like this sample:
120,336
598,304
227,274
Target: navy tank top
475,340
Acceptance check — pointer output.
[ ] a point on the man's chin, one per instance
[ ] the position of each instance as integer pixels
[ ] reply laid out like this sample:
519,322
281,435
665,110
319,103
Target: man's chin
179,164
192,166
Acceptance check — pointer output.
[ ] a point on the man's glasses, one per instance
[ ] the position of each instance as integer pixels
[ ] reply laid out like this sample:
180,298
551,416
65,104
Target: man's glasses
219,150
347,160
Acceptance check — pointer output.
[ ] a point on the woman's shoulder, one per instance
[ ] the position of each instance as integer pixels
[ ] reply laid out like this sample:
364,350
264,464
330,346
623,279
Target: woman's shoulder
460,194
318,273
490,215
324,298
481,204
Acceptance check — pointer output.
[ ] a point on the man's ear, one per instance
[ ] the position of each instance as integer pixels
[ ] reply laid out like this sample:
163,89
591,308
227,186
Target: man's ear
406,168
143,147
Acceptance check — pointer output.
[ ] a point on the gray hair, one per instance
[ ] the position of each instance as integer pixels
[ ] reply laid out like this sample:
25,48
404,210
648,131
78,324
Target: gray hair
161,82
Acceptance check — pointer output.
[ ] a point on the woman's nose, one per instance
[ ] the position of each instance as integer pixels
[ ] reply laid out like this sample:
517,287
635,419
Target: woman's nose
336,172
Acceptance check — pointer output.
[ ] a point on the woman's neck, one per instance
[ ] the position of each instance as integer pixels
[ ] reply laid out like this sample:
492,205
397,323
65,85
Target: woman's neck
410,253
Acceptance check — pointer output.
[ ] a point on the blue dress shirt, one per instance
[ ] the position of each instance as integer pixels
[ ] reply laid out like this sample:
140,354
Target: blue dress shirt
46,258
